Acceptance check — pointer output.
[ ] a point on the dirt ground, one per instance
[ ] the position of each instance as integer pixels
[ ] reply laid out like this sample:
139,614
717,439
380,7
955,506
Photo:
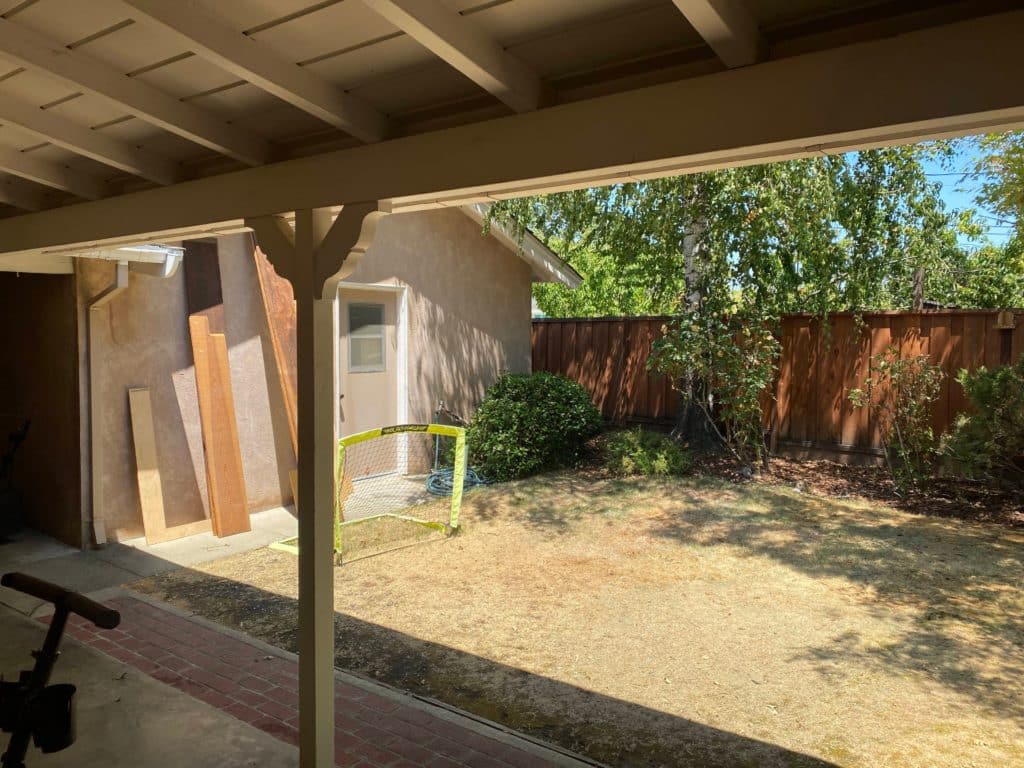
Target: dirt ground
690,622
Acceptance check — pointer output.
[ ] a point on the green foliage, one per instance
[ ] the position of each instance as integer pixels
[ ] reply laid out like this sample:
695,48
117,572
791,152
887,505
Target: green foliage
640,452
823,234
899,392
731,360
1000,169
529,423
988,443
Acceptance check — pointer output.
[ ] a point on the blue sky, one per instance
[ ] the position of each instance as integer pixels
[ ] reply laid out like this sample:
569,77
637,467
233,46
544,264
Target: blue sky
959,193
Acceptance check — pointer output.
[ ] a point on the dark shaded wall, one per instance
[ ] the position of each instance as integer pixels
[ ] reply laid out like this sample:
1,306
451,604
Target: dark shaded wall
39,381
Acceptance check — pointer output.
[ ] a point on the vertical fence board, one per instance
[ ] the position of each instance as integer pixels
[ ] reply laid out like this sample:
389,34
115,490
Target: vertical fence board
940,352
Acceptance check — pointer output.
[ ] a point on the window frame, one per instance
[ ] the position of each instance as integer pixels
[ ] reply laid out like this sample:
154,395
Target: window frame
382,336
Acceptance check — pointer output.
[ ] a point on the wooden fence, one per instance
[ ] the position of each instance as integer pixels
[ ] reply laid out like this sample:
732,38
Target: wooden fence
820,364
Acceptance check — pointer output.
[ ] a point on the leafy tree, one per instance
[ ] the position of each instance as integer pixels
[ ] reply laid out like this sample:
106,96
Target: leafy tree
1000,171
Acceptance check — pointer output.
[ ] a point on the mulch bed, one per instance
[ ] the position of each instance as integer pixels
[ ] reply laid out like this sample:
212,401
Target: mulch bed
944,497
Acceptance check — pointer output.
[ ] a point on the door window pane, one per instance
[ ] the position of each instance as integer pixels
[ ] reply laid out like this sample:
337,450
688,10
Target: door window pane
366,337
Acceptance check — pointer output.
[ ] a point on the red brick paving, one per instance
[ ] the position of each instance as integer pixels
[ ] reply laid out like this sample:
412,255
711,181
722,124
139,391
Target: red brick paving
371,731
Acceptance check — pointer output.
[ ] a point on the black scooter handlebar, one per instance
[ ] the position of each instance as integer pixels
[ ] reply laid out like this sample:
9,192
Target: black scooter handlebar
100,615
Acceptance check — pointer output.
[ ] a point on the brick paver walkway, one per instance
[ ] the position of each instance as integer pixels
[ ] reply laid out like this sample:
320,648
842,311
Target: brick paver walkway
262,689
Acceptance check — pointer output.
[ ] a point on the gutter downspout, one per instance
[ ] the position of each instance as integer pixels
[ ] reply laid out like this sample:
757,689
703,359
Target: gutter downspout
119,284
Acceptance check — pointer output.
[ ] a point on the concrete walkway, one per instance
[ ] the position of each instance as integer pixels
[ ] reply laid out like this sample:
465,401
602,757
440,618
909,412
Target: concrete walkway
122,563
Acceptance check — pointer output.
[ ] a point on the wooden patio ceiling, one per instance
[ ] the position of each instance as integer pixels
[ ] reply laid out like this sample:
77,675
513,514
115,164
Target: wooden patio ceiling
113,97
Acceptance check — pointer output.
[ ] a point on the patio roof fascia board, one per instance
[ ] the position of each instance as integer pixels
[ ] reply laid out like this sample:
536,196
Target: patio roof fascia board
867,94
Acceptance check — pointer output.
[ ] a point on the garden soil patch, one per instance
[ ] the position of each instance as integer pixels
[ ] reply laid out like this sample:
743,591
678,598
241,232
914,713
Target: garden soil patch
691,622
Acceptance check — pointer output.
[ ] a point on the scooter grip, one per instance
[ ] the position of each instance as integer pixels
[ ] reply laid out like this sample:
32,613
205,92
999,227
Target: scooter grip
98,614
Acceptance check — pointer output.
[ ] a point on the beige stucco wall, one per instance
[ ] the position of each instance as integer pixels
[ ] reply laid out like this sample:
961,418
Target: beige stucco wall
143,341
468,306
469,320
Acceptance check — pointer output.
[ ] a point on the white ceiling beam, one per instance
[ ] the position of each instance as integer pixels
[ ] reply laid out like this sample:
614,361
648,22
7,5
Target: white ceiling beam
727,27
454,38
942,81
21,195
87,142
250,60
88,75
50,174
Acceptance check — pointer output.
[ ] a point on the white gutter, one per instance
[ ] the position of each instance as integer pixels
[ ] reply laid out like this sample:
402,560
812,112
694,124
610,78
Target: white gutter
155,260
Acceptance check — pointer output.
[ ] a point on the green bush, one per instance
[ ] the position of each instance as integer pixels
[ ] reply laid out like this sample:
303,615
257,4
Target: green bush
638,452
530,423
988,443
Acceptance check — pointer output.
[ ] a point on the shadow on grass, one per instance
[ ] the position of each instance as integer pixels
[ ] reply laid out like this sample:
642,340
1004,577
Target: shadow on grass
962,582
607,729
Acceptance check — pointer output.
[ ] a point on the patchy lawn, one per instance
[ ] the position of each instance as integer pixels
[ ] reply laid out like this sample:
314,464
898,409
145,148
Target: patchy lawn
687,622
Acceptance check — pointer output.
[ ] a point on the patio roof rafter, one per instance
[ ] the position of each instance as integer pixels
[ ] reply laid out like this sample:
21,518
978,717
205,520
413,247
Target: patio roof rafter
50,174
727,27
79,71
22,195
87,142
456,39
254,62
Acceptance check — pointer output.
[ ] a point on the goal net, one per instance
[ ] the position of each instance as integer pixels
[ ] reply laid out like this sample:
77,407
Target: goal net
396,486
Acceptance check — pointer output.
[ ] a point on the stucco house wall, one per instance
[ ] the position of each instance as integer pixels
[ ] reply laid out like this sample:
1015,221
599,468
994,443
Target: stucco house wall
469,305
143,341
468,320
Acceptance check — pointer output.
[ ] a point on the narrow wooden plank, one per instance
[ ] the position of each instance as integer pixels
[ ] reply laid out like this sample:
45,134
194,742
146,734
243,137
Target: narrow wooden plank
992,357
279,310
617,355
784,385
1017,344
225,480
636,374
147,464
569,352
939,353
602,368
655,383
957,399
537,347
881,340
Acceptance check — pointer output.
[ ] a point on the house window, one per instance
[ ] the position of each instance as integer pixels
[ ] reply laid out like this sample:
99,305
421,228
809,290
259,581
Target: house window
366,331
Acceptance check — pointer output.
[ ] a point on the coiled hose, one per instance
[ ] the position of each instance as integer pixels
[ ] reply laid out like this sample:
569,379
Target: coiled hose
439,482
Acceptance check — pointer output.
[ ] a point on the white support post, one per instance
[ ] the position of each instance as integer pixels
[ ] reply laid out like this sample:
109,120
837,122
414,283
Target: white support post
316,258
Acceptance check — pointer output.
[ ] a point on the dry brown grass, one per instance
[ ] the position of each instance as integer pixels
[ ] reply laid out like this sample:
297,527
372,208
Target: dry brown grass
684,622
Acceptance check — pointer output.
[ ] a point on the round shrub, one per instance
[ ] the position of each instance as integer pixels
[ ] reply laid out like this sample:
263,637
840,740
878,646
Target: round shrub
530,423
638,452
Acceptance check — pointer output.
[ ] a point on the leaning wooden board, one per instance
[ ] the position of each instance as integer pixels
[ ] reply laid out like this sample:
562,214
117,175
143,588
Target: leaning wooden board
225,480
279,306
147,472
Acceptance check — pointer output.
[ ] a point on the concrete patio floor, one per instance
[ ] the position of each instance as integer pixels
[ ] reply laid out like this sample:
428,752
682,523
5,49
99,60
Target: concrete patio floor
126,718
123,562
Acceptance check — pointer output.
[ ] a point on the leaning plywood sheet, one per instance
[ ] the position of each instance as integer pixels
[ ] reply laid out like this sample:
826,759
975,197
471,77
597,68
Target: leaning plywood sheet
148,474
225,481
279,306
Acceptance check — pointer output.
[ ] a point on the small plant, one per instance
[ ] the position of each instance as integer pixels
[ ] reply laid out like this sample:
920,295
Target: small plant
639,452
988,443
899,392
529,423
